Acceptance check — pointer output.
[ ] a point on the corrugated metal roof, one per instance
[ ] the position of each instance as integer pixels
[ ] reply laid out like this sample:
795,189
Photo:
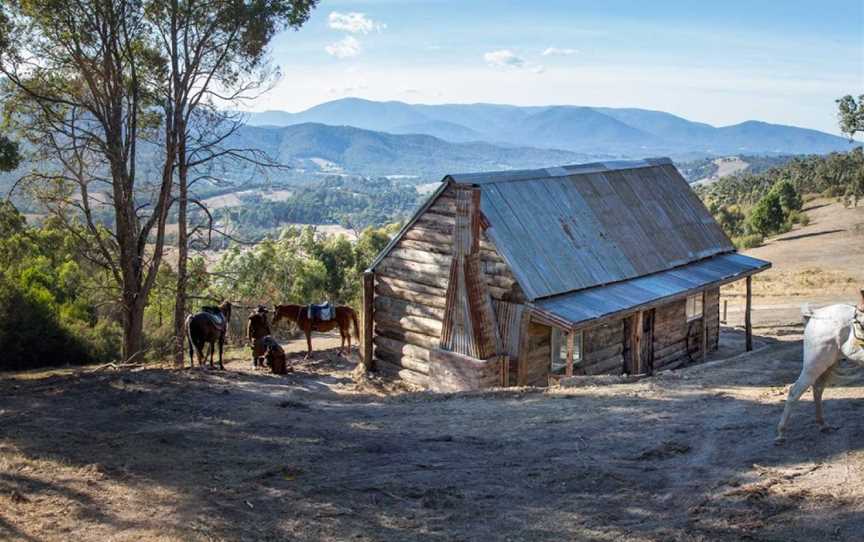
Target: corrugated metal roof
575,227
586,306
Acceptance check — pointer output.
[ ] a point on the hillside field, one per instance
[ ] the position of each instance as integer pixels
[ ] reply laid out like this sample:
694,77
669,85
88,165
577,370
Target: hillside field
325,453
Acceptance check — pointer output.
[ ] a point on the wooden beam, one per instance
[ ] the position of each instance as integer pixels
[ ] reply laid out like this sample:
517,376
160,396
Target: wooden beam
748,326
571,339
704,324
368,321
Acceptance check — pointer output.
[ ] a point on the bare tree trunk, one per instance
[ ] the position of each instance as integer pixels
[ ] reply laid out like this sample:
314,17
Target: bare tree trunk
182,250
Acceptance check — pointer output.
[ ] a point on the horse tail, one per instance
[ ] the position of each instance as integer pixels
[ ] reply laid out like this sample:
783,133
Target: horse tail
356,325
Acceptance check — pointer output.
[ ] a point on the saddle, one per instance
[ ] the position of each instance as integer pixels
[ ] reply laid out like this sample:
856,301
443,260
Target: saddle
321,312
215,315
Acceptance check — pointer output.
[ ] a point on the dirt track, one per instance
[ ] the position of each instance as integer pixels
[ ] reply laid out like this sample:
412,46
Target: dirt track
205,455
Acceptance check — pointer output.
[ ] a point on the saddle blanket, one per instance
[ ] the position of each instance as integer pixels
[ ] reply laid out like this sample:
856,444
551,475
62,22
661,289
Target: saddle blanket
321,312
215,317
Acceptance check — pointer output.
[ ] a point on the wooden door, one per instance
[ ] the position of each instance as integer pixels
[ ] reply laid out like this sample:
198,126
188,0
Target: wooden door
646,350
632,327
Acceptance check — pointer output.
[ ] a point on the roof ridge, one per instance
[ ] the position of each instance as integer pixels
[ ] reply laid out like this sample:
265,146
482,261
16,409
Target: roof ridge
484,177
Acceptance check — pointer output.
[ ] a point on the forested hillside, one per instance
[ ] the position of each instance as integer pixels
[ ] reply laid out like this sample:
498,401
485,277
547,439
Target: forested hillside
751,206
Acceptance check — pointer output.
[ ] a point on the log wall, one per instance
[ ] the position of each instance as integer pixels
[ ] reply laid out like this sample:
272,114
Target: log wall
603,350
411,290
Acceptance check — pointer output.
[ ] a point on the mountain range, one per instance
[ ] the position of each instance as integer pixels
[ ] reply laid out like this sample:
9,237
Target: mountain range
619,132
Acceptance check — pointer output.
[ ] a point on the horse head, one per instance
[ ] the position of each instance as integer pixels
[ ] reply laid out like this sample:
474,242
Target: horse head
225,309
853,348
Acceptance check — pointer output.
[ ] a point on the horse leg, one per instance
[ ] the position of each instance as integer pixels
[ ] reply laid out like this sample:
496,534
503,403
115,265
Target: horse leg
818,387
212,351
308,342
221,344
342,346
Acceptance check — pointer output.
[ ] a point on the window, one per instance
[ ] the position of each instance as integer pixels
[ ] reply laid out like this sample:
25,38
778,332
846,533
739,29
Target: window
694,307
559,350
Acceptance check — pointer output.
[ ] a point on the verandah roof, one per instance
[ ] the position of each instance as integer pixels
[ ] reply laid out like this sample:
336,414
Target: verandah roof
593,305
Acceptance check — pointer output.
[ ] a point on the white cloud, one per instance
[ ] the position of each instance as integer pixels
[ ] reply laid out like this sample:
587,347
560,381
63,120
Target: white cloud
347,47
503,58
538,69
550,51
354,22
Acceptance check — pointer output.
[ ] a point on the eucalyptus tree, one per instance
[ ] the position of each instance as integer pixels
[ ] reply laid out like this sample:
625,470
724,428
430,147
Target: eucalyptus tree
77,88
215,57
850,114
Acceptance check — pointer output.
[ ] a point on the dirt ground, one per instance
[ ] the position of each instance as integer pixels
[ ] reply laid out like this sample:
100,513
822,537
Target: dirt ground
325,453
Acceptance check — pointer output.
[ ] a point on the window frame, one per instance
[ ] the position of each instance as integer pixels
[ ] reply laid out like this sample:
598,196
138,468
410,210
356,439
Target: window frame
560,346
697,310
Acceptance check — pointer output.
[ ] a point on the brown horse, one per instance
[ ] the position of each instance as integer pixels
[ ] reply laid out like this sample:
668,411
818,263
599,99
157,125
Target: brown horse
205,327
298,314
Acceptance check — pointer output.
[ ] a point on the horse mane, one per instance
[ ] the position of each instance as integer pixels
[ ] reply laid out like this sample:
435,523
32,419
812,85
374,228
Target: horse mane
211,309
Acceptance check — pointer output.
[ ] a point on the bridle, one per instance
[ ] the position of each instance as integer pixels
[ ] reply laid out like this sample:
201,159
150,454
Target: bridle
858,324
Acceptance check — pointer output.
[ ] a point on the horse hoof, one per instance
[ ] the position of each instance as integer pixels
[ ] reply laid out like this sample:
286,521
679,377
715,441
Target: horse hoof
828,428
779,441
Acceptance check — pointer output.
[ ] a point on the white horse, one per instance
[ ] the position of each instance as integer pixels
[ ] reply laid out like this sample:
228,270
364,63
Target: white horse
830,334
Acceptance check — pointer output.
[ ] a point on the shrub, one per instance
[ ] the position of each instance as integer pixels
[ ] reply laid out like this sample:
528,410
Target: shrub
748,241
768,215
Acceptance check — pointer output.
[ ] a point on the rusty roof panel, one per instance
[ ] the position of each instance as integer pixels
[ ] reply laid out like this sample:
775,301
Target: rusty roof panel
586,306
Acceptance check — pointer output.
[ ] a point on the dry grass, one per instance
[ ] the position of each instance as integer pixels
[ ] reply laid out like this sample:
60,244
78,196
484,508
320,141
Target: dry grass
808,282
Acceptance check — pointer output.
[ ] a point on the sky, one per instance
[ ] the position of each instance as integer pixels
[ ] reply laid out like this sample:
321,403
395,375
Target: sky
716,62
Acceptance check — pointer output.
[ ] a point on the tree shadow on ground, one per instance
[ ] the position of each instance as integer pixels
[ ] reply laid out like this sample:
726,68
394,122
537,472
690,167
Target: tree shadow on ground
255,456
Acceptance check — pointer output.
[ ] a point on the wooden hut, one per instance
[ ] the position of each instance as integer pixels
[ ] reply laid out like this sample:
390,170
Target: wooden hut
522,277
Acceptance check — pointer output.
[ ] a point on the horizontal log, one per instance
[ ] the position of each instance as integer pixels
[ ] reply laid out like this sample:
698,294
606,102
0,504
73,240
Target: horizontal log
426,235
672,349
402,360
420,256
614,365
418,324
416,287
395,268
395,292
409,337
437,248
603,353
436,223
408,308
409,376
401,348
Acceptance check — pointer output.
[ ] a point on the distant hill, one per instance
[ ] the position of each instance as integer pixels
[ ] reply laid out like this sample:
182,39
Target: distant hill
345,149
625,132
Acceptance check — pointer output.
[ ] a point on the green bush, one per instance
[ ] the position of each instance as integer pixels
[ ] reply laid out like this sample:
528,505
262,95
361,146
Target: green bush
748,241
767,216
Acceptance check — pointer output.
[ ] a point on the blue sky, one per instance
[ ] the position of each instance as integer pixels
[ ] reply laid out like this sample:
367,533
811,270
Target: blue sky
716,62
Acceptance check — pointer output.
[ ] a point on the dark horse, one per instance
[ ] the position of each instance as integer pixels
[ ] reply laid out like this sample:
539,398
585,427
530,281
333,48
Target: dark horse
205,327
300,316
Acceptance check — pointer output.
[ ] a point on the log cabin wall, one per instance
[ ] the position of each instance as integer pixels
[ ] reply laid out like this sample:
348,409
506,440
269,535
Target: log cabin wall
535,355
411,289
603,350
677,341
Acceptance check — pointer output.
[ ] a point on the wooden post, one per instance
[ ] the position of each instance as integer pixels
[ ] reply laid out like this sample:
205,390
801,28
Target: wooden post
704,325
725,306
571,340
368,300
748,326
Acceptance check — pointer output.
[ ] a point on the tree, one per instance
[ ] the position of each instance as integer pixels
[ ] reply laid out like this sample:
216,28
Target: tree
790,200
767,216
9,155
850,114
78,88
214,52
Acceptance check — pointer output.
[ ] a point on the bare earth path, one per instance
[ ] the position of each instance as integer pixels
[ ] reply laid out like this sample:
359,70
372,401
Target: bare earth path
201,455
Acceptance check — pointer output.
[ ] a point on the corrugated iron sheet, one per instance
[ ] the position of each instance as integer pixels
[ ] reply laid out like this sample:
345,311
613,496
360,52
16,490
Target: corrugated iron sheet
575,227
604,301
